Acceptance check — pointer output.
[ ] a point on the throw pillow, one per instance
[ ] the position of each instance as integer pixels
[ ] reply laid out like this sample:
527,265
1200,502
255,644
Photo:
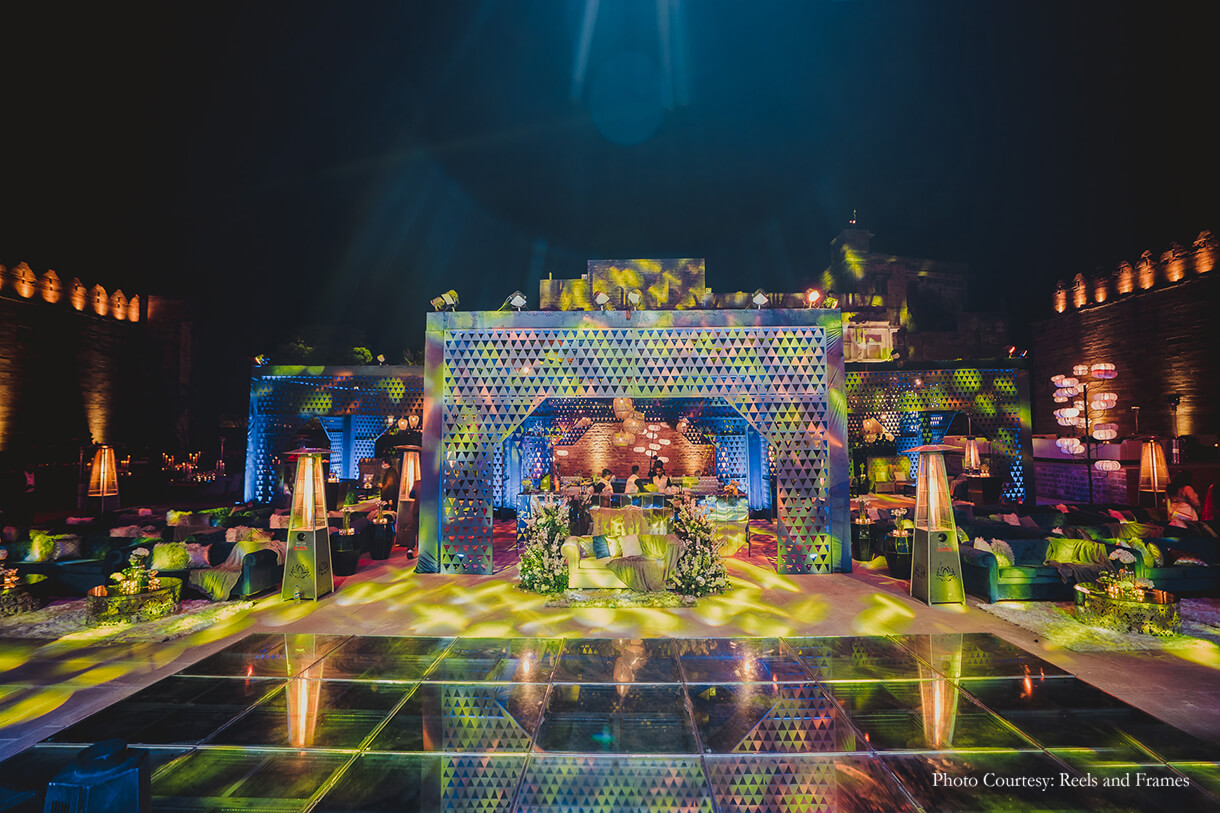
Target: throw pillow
1002,552
1116,515
631,545
1158,557
198,555
169,556
1011,519
873,514
178,517
586,547
982,544
42,548
1188,560
1030,522
601,549
67,546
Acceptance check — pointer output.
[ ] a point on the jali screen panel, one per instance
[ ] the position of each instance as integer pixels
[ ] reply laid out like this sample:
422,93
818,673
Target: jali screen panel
782,370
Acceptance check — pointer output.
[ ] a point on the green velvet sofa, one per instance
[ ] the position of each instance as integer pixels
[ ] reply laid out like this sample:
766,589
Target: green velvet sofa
1029,578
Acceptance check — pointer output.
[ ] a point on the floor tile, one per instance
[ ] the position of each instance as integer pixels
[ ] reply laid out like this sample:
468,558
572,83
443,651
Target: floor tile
383,658
617,660
858,658
33,769
266,655
842,784
929,715
976,654
407,783
315,714
1069,713
465,717
774,718
511,660
560,783
176,709
219,780
737,660
623,719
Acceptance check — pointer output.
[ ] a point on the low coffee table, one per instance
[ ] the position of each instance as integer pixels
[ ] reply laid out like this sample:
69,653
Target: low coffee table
104,607
1149,612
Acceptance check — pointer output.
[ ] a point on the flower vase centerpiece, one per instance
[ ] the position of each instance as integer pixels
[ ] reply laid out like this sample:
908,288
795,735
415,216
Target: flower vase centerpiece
699,570
136,577
543,568
344,552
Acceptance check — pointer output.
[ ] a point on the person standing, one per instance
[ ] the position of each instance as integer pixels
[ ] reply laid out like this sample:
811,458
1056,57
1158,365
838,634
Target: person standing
389,485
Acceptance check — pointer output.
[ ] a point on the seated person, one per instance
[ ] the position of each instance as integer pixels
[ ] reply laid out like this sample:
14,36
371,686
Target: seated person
632,480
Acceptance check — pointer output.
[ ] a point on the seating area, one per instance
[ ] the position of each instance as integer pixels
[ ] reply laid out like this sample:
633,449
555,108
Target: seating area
1044,551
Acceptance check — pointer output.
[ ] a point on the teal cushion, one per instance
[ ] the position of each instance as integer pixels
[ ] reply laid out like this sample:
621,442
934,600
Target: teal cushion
601,548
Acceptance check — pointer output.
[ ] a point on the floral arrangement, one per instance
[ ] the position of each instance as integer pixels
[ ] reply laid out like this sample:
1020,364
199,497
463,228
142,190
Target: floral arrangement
136,577
543,568
699,569
8,577
1123,584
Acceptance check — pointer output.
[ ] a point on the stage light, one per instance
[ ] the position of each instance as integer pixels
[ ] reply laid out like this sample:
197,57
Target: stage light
447,301
261,360
811,297
516,300
381,359
634,297
601,299
760,298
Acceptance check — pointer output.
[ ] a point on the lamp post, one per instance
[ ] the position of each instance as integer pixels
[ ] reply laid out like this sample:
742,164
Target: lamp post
936,564
307,571
1087,409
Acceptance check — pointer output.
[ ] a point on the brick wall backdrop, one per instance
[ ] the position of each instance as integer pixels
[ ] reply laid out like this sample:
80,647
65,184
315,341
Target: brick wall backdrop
1162,340
594,452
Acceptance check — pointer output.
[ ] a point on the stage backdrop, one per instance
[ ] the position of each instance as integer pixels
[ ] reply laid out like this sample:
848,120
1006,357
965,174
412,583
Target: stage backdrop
781,369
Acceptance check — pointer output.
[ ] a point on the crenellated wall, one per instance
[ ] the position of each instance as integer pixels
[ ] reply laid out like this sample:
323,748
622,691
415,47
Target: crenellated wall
1158,322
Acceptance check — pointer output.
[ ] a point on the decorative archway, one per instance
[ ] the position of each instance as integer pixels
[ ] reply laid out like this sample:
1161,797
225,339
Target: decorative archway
781,369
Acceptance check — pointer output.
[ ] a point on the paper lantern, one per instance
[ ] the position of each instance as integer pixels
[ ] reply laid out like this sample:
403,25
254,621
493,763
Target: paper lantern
619,438
633,425
639,450
1070,382
663,459
1061,399
623,407
561,452
1107,465
663,441
654,446
1080,369
1104,371
652,427
1104,400
1105,431
1057,380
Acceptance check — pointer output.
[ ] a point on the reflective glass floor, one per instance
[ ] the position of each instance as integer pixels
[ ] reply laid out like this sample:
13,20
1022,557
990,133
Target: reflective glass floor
955,722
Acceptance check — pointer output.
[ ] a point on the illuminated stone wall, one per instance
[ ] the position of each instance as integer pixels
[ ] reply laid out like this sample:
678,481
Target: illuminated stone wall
79,364
1162,335
594,452
782,370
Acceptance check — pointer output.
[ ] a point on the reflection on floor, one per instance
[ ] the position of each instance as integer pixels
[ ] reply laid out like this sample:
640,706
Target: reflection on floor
885,723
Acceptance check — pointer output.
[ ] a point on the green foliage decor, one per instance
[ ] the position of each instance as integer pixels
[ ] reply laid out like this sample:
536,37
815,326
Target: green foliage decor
699,570
543,568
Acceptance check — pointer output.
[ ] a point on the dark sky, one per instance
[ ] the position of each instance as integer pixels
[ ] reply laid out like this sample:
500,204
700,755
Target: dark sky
347,161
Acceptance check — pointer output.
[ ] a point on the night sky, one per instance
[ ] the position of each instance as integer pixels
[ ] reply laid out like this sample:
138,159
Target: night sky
299,162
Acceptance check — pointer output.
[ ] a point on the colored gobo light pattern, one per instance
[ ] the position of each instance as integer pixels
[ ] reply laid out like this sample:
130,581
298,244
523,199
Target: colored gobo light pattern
782,370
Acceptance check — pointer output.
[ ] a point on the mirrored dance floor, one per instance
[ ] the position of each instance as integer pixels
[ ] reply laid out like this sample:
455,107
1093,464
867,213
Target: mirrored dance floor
942,722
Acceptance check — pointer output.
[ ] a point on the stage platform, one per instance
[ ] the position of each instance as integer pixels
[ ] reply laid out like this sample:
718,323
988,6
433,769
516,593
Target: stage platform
947,722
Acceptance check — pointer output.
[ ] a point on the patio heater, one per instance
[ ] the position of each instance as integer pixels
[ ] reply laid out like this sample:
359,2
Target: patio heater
104,480
936,565
1154,473
406,528
307,571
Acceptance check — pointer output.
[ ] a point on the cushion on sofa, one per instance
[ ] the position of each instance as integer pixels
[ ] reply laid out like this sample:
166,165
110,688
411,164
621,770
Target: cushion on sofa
631,545
601,548
170,556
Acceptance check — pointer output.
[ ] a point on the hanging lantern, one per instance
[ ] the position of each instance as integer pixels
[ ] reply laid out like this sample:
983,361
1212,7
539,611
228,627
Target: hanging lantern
639,450
1057,380
1107,465
623,407
1071,382
1104,371
620,438
971,462
663,459
561,452
1061,399
1104,400
1080,369
634,424
1105,431
663,441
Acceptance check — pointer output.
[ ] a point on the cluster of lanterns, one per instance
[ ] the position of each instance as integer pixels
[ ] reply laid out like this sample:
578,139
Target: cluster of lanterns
1086,410
634,429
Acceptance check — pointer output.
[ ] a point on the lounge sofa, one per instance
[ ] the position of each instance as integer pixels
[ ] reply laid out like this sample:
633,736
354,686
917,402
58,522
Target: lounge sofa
1029,578
587,570
1183,579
